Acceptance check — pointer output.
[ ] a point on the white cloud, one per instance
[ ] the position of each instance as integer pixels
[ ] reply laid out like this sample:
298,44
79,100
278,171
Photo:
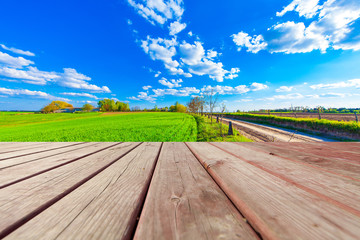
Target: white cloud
158,11
201,62
72,79
129,22
30,75
286,97
306,8
190,33
80,95
171,83
226,90
335,95
296,38
17,51
284,89
157,74
161,49
146,87
183,92
253,44
258,86
16,62
332,25
176,27
25,92
354,83
143,96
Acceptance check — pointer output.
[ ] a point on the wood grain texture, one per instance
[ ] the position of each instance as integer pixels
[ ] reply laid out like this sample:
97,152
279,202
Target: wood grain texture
22,201
12,171
6,147
184,202
274,207
105,207
321,163
43,148
339,191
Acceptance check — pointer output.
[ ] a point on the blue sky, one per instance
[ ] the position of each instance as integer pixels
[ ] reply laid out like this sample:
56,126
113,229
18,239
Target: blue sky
260,54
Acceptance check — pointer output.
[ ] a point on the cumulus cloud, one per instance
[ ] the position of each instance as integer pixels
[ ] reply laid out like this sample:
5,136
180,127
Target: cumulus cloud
284,89
26,92
146,87
226,90
158,11
30,75
171,83
72,79
163,50
143,96
16,62
17,51
183,92
330,24
253,44
258,86
201,62
176,27
306,8
286,97
80,95
354,83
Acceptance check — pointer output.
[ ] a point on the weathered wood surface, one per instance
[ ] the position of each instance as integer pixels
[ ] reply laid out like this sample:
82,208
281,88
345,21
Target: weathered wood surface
321,161
274,206
183,202
105,207
179,190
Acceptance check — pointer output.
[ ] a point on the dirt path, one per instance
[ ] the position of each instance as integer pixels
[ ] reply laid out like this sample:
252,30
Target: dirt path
262,133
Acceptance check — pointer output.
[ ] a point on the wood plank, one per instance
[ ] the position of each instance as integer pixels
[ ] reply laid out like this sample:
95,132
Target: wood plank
336,166
37,149
105,207
276,208
335,151
340,191
22,201
11,171
184,202
6,147
27,158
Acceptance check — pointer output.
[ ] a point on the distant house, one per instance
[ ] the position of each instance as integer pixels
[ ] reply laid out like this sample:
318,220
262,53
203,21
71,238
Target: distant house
72,110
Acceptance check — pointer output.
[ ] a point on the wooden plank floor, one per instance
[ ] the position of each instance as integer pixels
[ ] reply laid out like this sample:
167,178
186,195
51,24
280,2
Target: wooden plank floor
179,190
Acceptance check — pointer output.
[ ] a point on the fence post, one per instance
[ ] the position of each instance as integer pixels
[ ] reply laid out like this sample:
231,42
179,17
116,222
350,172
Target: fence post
217,119
230,129
319,114
356,117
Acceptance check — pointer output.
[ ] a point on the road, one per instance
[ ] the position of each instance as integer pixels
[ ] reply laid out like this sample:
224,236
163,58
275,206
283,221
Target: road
262,133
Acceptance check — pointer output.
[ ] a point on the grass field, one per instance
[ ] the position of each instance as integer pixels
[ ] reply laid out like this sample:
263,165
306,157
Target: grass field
65,127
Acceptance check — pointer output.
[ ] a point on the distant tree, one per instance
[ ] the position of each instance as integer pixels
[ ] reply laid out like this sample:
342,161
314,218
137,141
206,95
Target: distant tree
211,99
56,105
181,108
195,104
109,105
87,107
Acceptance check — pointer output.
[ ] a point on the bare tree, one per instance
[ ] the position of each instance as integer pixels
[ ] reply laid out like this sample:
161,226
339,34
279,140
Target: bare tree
222,110
211,98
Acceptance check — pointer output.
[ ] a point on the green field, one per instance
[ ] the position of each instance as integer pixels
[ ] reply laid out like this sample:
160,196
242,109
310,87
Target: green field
97,127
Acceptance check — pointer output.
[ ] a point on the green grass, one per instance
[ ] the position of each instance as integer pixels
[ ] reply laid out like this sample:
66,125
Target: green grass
67,127
311,123
208,132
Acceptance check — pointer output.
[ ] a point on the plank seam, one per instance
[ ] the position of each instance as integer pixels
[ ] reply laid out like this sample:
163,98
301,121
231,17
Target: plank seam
42,151
54,167
298,185
143,196
261,230
300,162
52,201
33,160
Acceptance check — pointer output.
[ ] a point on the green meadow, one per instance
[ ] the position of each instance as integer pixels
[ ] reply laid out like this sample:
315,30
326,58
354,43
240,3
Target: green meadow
97,127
